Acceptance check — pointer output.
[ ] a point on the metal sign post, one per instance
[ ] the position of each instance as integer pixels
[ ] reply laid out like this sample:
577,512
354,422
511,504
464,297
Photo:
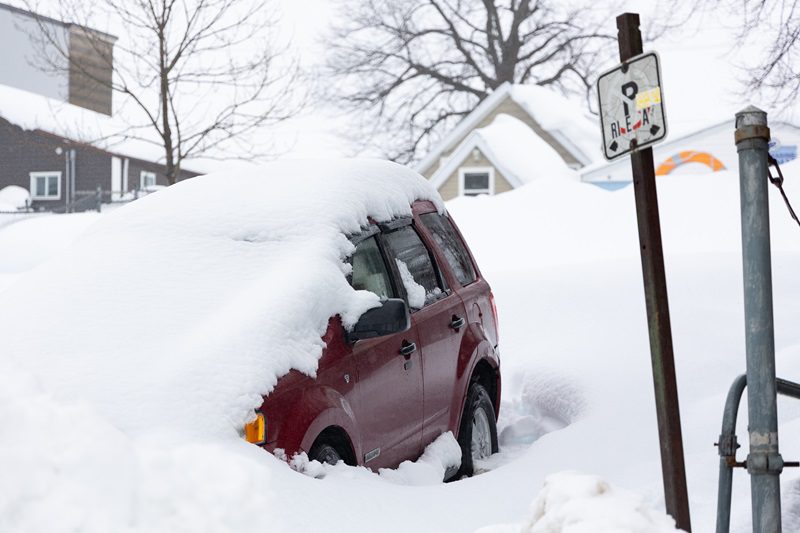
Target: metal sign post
639,104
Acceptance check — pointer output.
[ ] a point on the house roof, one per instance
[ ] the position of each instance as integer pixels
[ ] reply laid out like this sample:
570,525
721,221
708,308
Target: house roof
32,111
556,115
513,148
42,18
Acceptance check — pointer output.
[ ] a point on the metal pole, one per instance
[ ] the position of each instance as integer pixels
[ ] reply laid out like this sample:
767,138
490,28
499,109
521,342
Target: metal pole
655,289
764,463
72,176
727,446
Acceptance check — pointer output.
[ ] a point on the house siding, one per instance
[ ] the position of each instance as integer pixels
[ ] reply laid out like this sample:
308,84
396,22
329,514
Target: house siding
90,70
449,188
22,50
23,151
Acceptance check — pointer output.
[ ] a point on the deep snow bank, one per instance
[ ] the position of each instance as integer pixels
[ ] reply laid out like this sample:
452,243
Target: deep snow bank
571,503
579,503
563,262
14,197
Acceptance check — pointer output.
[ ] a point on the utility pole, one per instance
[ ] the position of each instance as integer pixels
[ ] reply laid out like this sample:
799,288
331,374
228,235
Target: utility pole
764,462
655,288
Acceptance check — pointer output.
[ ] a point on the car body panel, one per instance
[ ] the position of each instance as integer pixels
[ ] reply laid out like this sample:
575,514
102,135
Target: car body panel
389,398
380,399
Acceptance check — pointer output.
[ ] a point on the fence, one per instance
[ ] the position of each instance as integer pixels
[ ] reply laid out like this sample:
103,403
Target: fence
83,201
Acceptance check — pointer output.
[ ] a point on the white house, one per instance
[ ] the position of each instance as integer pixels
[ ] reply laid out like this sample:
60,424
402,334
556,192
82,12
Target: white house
707,150
517,134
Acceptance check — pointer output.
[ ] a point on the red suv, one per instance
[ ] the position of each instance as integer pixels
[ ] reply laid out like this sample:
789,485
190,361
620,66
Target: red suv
423,363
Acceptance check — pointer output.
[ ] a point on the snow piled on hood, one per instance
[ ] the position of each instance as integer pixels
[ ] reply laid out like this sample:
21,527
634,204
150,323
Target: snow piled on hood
196,299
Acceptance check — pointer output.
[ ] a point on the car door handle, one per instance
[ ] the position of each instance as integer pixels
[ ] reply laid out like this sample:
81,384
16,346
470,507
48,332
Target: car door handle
407,349
457,322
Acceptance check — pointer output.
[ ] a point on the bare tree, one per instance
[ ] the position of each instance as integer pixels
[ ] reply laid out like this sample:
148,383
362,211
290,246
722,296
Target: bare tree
411,68
200,77
772,27
765,44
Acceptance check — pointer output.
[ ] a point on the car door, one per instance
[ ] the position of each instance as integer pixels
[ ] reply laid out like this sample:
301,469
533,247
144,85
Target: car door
438,314
388,406
442,376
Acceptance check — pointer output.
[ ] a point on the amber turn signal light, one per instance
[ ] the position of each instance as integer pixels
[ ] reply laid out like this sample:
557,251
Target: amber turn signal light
256,431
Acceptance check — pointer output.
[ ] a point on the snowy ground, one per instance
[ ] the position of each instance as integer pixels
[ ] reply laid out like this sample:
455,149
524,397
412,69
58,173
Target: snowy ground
562,258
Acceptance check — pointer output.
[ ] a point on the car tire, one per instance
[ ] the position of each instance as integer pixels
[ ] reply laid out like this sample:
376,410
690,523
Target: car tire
477,435
325,453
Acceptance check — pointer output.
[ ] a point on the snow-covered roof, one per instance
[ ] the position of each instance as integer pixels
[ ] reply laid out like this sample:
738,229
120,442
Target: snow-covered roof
561,118
32,111
513,148
43,18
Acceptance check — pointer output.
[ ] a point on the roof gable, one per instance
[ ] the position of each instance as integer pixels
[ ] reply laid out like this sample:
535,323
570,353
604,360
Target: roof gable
512,148
548,114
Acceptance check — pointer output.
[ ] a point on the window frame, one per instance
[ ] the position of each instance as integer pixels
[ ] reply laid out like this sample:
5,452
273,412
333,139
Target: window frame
460,240
463,171
397,225
45,174
147,173
374,232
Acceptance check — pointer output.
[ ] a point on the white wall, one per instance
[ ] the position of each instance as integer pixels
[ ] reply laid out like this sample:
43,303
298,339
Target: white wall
18,55
717,141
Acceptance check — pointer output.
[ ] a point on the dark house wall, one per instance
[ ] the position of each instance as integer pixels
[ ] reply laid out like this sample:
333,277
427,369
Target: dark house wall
136,166
23,152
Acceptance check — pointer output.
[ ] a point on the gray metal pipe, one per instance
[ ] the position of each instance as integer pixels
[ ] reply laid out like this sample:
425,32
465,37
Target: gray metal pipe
764,462
727,447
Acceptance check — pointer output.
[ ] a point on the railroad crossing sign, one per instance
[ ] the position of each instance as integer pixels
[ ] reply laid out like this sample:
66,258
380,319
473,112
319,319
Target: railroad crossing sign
631,106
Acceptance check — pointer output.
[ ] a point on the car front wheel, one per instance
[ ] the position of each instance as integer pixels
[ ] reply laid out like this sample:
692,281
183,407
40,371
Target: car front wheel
477,435
325,453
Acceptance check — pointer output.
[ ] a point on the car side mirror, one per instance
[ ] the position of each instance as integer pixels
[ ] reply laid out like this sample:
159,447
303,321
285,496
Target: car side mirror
390,317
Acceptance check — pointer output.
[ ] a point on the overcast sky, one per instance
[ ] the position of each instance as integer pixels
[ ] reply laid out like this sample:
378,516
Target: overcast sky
700,77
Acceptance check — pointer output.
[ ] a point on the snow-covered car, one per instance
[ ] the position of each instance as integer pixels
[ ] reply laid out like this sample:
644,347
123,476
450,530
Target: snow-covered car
180,312
387,387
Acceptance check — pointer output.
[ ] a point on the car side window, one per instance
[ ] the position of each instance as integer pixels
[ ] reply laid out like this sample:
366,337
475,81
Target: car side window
369,270
454,251
415,267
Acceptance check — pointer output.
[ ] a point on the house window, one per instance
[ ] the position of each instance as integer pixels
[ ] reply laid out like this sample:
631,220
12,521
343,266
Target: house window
147,180
45,185
476,180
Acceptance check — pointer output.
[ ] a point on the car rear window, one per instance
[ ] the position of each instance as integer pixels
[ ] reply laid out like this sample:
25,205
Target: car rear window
415,267
369,270
454,251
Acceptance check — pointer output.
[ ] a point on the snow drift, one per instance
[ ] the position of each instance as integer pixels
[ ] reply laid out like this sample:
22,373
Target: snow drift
563,261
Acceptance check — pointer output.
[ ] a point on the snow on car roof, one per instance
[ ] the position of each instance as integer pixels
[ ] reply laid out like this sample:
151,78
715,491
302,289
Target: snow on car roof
202,295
